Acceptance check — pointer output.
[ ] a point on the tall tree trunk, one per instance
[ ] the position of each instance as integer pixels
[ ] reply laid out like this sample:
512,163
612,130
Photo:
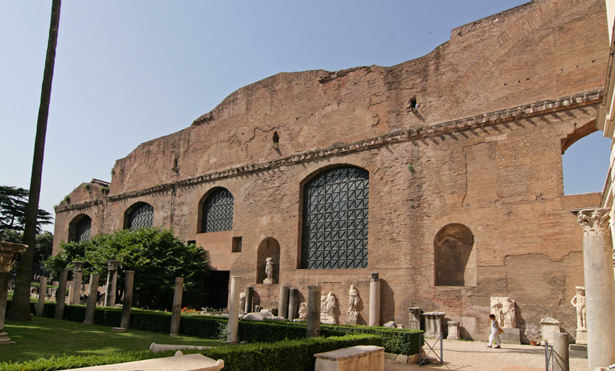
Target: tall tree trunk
20,306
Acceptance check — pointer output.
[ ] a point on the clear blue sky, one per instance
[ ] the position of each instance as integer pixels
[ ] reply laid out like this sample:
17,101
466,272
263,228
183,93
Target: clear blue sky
128,71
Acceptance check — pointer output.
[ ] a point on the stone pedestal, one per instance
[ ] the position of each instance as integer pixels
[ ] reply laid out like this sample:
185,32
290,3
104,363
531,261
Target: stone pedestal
581,336
283,302
61,295
111,283
599,288
374,300
415,318
42,295
453,330
313,312
549,327
233,310
77,281
177,306
90,309
511,336
433,324
561,359
352,318
268,281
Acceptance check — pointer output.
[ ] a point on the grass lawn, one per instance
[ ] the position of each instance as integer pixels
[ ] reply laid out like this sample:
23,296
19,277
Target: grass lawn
46,337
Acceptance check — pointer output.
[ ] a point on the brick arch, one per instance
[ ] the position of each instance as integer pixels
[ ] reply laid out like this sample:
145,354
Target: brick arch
577,134
144,219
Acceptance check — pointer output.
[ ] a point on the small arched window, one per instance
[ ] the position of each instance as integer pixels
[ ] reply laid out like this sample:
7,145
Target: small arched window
335,219
141,215
218,211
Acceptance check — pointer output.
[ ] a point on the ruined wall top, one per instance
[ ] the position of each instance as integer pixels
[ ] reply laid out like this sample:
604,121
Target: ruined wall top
546,49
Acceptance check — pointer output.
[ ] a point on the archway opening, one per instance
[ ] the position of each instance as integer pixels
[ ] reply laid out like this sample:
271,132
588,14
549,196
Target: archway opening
454,257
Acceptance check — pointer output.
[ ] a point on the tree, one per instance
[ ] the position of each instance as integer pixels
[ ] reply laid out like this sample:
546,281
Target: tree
20,305
13,202
156,256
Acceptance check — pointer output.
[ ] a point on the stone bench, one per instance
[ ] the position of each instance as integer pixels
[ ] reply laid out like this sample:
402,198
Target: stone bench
360,357
180,362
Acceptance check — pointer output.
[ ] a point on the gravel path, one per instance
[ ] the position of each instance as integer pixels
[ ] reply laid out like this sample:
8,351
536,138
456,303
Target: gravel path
475,355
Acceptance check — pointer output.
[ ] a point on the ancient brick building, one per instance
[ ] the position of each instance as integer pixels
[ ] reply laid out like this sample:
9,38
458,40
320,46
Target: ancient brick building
443,174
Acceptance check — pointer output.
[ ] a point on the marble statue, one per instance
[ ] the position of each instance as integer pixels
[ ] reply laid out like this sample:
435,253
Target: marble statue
353,301
242,302
303,309
269,271
505,312
327,314
578,301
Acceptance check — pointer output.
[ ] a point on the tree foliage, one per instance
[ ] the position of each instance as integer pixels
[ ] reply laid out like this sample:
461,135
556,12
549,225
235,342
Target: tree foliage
156,256
13,202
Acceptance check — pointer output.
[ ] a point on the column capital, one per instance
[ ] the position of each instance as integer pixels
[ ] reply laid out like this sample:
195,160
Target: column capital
594,221
112,265
78,266
8,254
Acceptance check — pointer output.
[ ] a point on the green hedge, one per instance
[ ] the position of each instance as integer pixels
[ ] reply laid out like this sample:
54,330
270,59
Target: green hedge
399,341
280,356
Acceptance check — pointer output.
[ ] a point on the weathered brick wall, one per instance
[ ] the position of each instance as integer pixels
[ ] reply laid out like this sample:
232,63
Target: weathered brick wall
482,149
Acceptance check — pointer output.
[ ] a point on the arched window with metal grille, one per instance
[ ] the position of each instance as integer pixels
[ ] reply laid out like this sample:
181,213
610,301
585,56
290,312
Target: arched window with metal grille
79,229
218,211
141,215
335,219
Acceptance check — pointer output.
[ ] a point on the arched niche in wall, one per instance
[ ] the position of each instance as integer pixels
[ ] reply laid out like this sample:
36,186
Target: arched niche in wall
79,229
268,248
454,256
139,215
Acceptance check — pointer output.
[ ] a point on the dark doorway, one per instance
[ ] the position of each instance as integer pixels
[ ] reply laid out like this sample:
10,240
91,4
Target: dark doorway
216,287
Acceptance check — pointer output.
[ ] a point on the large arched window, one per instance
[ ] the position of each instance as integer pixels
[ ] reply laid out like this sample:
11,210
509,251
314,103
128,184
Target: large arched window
79,229
218,211
335,216
140,215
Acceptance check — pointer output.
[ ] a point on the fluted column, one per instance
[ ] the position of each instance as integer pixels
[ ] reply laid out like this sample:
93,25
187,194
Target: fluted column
599,288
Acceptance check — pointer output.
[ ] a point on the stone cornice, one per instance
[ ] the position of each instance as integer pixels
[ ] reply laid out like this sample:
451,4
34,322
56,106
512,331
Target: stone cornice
396,136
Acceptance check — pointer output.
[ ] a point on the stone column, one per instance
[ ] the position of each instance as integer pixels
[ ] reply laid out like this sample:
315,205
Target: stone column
8,254
293,305
111,282
129,279
283,302
233,310
90,309
42,295
249,294
561,360
599,288
433,324
313,312
77,281
374,300
61,295
177,305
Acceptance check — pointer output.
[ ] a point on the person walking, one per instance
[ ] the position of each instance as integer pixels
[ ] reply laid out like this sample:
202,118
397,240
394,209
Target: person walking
496,330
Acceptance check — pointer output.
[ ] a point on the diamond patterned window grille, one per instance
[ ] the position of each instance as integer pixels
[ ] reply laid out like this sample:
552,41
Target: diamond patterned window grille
335,216
218,212
141,216
83,229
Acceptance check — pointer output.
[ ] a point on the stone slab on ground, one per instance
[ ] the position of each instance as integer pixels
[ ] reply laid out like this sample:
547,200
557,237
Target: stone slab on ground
180,362
360,357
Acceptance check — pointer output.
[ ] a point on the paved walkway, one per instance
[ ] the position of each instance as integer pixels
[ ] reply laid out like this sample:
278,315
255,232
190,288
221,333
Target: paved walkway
475,355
